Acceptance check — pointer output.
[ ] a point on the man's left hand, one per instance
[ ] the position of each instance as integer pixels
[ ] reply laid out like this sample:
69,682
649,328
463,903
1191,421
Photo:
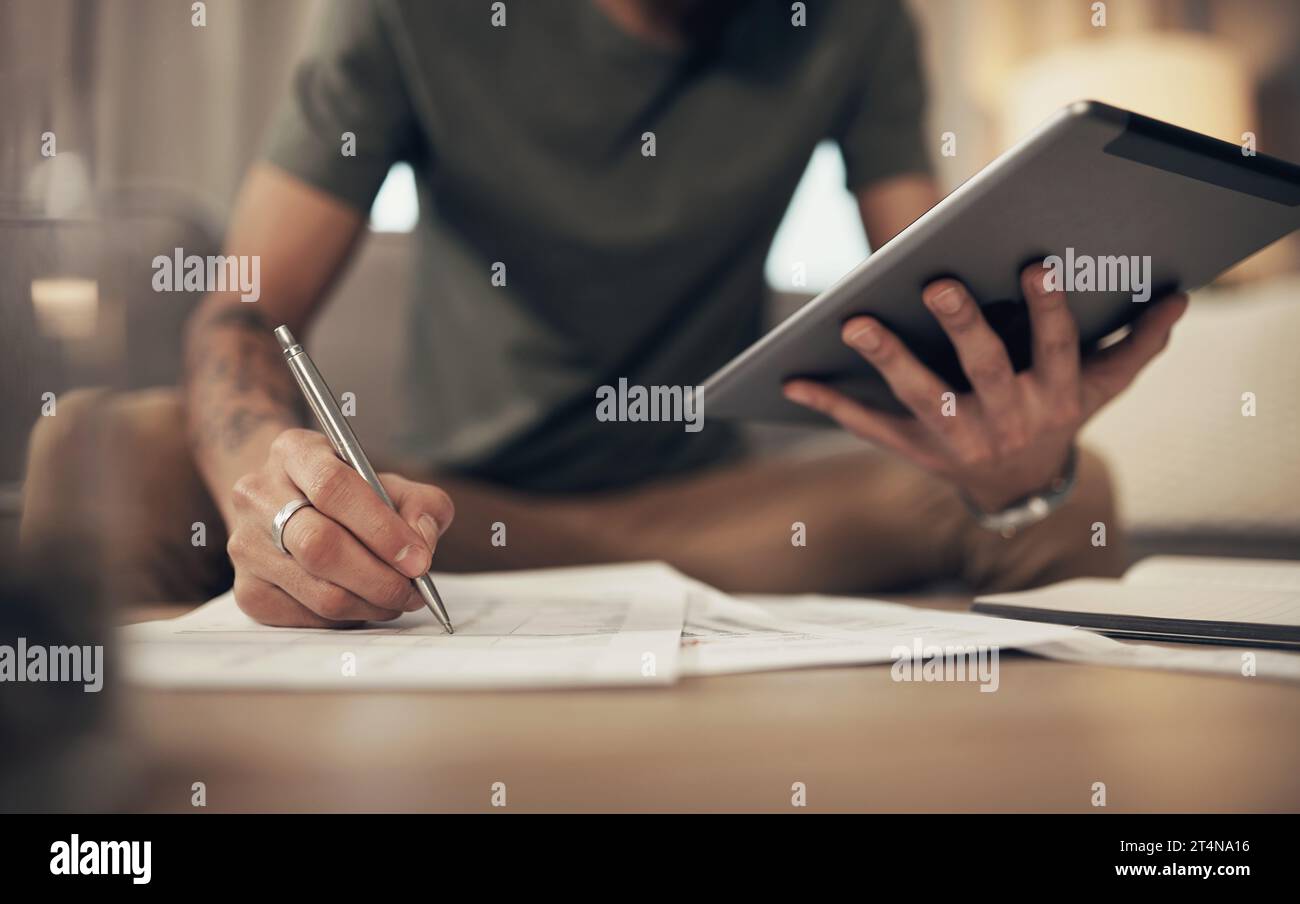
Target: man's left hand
1012,435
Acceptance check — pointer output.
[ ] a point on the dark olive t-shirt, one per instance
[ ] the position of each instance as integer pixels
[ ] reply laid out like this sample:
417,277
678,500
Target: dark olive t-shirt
529,143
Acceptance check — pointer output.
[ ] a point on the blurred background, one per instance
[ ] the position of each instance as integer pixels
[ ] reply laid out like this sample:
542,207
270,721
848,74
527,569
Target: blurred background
156,120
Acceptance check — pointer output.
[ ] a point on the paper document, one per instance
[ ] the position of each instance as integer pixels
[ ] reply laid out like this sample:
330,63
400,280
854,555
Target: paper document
758,633
612,625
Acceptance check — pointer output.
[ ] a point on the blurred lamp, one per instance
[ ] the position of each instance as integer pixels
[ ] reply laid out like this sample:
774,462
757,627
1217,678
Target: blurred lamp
67,307
1189,80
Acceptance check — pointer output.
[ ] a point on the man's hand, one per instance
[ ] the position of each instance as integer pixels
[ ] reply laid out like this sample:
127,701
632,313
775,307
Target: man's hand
1012,434
351,558
240,398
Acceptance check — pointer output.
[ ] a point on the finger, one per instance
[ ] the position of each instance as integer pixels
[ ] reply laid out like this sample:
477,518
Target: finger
983,357
320,546
1056,335
253,554
1113,368
422,505
327,600
342,495
331,555
890,432
268,604
915,385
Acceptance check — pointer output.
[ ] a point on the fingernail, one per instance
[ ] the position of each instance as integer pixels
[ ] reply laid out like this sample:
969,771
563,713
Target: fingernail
413,560
947,302
867,339
797,393
428,528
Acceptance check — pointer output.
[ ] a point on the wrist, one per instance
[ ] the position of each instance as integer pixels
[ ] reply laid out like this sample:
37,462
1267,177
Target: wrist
221,466
1007,515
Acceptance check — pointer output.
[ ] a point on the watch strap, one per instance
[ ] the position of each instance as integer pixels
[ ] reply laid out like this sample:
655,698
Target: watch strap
1032,508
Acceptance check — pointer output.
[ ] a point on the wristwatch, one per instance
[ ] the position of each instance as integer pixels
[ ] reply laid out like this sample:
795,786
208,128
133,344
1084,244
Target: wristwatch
1032,508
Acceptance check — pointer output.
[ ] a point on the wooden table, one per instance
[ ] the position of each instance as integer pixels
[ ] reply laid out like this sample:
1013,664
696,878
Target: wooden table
856,739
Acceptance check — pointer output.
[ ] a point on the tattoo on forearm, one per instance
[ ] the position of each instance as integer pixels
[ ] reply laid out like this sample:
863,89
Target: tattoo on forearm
230,429
236,380
242,315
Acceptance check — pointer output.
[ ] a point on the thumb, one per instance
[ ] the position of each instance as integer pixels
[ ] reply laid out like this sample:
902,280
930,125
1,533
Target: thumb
422,505
1109,371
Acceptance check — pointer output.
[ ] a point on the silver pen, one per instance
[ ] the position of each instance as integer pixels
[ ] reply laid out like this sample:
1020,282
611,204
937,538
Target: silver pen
344,441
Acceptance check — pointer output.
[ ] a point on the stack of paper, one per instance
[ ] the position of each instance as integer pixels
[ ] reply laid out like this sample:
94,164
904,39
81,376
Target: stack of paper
619,625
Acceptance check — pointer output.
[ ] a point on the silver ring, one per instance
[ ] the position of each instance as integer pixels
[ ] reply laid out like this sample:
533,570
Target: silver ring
282,518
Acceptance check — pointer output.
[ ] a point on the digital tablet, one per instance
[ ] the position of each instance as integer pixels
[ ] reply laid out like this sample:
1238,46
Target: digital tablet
1127,207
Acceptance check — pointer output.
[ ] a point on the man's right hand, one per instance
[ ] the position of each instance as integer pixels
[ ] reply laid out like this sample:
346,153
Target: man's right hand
351,558
344,564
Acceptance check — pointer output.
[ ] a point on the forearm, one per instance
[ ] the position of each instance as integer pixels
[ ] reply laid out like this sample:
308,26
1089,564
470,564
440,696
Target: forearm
239,394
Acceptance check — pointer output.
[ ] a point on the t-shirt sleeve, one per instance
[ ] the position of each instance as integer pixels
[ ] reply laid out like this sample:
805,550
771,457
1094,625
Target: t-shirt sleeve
349,81
882,132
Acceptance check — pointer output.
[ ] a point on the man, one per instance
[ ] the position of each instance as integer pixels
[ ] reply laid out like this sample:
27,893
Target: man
600,181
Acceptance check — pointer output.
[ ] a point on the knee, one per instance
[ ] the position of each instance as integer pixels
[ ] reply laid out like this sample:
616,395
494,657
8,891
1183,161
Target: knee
105,425
60,454
146,425
59,439
95,441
